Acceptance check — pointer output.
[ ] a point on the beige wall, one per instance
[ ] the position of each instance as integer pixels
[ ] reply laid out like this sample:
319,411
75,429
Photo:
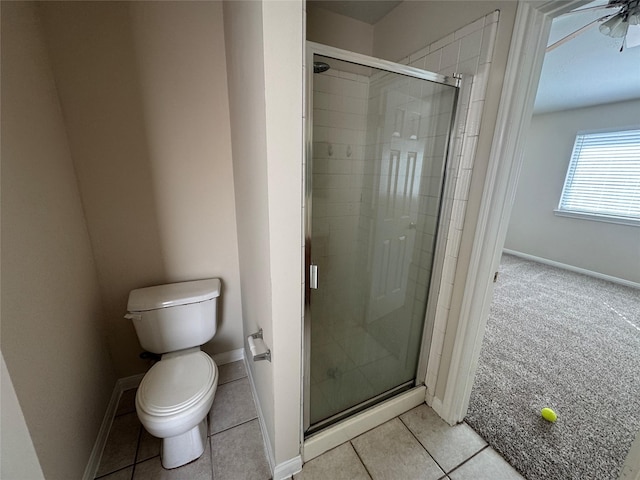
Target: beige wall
245,69
414,24
608,248
338,31
284,52
143,91
264,60
52,316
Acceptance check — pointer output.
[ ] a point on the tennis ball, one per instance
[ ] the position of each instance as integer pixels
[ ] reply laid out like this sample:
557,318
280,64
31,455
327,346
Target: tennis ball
548,414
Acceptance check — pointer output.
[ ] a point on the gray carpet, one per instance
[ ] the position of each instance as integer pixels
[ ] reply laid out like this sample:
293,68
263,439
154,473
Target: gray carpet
569,342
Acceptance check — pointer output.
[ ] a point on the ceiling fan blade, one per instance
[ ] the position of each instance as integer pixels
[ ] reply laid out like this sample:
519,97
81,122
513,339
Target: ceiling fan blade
573,35
632,39
590,9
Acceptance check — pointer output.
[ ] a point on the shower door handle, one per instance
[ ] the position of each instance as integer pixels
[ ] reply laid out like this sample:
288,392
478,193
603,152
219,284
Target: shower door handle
313,276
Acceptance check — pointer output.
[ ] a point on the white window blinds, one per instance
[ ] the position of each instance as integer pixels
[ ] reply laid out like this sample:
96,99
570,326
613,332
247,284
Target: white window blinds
603,178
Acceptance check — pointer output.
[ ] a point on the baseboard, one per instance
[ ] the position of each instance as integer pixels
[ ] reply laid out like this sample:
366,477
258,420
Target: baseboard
122,384
287,469
229,357
571,268
127,383
438,407
263,426
283,470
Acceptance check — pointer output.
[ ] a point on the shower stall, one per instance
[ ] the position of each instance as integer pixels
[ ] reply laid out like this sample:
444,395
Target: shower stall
378,141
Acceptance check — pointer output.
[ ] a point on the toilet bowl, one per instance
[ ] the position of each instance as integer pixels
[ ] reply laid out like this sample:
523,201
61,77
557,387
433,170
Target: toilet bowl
176,394
173,401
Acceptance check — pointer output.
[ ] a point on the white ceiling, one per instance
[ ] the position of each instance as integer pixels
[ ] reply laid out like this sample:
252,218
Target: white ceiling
587,70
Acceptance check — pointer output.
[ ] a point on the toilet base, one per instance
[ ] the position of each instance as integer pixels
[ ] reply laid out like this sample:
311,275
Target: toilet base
182,449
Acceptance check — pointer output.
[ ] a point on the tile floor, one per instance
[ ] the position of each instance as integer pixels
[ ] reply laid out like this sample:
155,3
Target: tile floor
235,451
415,445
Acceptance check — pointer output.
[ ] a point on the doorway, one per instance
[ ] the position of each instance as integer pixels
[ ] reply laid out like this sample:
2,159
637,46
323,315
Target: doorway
378,143
506,379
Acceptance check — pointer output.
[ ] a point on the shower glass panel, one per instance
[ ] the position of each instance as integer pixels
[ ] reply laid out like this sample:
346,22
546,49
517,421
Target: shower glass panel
380,142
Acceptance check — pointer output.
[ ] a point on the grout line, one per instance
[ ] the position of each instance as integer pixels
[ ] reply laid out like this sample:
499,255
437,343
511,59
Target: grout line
124,413
233,426
135,457
420,443
232,381
360,458
475,454
135,461
210,447
133,407
115,471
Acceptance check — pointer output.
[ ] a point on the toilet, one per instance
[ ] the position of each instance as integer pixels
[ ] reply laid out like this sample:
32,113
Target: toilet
176,394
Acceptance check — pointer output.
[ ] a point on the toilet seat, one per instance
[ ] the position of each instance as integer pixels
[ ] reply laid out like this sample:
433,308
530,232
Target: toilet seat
177,384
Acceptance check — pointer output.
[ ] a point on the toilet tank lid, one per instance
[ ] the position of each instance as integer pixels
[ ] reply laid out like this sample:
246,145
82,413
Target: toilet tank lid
173,294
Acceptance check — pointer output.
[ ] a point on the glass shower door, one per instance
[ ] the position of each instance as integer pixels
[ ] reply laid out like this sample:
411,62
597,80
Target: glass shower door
380,142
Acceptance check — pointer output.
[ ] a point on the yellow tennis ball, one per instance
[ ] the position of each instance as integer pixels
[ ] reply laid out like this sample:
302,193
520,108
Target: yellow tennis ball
548,414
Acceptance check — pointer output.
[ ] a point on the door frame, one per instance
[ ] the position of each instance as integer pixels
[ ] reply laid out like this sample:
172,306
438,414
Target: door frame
522,75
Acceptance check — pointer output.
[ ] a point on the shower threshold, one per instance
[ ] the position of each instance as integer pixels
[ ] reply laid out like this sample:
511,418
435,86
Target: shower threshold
359,423
323,424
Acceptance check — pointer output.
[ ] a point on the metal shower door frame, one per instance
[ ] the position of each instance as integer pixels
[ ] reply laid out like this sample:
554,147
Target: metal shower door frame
367,61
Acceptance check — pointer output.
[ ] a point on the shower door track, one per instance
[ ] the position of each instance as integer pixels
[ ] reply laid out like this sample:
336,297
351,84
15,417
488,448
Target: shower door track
359,408
363,60
380,64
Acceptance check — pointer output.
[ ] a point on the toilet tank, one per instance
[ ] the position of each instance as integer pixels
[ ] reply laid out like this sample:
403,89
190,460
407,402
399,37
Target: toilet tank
175,316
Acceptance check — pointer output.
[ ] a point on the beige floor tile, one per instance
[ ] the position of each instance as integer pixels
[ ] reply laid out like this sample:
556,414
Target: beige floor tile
120,449
449,446
238,453
148,447
391,452
231,371
232,405
341,463
487,465
199,469
124,474
127,403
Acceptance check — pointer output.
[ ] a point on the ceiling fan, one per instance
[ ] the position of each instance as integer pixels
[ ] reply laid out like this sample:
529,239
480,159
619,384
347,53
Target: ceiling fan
622,21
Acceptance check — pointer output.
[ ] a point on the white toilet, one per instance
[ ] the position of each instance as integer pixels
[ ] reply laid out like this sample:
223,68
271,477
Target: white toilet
176,394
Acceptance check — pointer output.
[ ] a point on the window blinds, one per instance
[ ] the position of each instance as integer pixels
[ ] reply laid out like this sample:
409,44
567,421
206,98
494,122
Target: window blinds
604,175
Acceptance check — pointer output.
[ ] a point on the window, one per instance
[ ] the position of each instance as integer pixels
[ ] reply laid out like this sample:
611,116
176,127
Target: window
603,179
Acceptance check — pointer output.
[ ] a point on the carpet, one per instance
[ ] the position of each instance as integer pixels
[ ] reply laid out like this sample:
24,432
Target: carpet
562,340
